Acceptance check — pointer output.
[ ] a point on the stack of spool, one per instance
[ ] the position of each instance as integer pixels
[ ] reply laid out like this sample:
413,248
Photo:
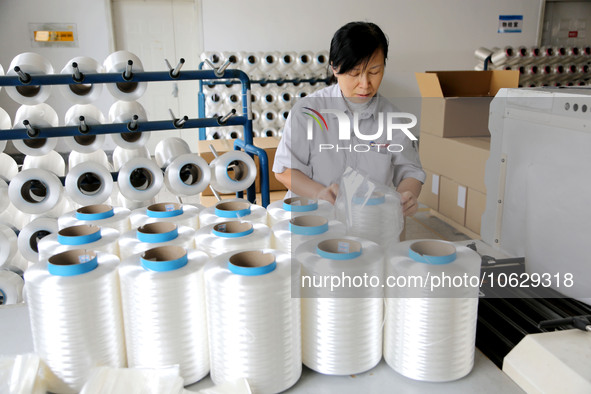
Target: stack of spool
540,66
271,101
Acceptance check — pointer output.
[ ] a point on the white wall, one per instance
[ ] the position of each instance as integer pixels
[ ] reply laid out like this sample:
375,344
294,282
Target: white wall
424,34
93,22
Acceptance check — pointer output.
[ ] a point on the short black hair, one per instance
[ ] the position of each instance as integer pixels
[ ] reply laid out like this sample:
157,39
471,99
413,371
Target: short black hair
355,43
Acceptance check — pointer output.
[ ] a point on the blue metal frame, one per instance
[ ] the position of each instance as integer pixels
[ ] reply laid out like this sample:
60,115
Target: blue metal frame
202,122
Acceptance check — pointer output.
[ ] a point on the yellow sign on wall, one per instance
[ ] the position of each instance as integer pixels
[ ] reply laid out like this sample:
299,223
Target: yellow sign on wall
53,36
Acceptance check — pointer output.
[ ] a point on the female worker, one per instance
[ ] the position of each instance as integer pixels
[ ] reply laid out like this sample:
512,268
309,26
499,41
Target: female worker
314,152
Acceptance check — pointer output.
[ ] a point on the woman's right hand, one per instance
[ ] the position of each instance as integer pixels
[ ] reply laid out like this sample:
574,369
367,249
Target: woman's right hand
328,193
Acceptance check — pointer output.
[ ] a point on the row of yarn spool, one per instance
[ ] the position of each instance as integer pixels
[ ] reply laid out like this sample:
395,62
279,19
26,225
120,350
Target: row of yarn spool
37,190
339,334
42,115
540,66
270,102
29,64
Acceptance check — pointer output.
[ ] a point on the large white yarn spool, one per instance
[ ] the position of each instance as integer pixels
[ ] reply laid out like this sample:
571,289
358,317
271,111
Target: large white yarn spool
290,208
38,116
180,214
117,62
32,64
35,191
89,183
5,124
233,209
232,172
52,162
173,330
413,345
100,215
216,58
10,257
341,325
219,238
140,180
80,236
152,235
75,309
376,216
82,93
4,200
288,234
253,321
123,155
11,287
31,234
186,173
92,116
124,112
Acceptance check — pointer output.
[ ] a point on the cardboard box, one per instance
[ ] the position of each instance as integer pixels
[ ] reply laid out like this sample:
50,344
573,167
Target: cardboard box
452,200
430,191
461,159
475,206
269,144
456,103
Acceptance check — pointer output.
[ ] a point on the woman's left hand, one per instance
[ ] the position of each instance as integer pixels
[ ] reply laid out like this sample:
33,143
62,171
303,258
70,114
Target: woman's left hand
409,203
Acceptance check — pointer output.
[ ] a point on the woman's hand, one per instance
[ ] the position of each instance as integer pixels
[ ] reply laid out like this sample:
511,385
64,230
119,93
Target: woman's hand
409,189
409,203
328,193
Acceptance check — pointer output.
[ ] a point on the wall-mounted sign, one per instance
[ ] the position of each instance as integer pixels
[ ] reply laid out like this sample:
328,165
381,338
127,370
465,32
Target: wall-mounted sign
510,23
53,34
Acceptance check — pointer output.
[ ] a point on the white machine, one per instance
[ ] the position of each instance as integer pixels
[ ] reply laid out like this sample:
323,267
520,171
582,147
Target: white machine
538,181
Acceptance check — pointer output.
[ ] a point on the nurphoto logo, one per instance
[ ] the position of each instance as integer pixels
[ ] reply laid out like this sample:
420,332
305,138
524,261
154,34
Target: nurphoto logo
389,121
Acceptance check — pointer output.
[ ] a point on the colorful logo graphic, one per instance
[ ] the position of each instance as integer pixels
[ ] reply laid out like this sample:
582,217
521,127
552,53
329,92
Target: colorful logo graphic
316,118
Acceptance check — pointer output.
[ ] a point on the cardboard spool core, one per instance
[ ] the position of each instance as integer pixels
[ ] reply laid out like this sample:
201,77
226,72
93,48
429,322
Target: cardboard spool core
164,253
89,183
81,89
164,207
433,248
237,170
190,174
85,140
233,227
35,143
34,191
252,259
309,221
157,228
232,206
28,90
71,257
80,230
131,137
94,209
334,246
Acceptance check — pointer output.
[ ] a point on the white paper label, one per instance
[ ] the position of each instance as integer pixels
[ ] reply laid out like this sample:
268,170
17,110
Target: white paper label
435,184
461,197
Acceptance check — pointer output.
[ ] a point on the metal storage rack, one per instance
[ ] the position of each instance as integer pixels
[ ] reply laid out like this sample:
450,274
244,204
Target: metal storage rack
29,131
247,142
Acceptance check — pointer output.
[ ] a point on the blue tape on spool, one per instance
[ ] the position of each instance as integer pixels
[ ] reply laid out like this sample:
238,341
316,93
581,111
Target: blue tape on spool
377,200
87,263
222,213
308,230
339,255
152,238
222,233
300,208
252,271
427,259
169,212
164,266
79,239
95,216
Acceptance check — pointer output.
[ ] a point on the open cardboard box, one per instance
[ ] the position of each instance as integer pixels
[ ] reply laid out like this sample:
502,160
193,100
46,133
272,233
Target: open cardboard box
456,103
